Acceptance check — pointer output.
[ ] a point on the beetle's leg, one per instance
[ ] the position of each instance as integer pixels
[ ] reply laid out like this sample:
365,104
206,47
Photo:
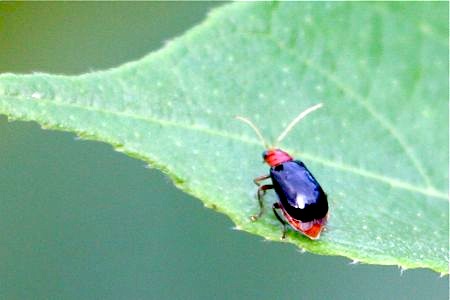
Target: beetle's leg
276,206
258,179
261,191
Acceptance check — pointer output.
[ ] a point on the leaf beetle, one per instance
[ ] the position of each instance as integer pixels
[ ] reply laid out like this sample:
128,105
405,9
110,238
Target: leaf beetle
301,199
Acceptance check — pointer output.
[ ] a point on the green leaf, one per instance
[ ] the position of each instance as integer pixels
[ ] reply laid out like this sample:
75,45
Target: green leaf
379,147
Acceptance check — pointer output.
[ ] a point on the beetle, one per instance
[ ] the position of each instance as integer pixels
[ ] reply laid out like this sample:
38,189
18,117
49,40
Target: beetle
301,199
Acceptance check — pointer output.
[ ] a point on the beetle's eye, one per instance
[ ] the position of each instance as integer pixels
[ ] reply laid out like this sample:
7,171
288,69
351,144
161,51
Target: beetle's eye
264,154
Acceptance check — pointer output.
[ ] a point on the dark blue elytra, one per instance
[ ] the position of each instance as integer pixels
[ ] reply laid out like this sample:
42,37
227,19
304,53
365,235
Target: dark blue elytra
299,192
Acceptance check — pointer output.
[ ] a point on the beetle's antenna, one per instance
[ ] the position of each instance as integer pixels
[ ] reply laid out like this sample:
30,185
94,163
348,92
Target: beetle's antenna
258,133
296,120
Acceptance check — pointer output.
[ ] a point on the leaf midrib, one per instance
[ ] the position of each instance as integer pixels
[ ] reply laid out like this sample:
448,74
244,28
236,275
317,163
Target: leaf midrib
393,182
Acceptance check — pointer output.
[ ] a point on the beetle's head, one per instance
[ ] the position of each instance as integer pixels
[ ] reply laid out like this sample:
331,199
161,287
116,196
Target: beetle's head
274,157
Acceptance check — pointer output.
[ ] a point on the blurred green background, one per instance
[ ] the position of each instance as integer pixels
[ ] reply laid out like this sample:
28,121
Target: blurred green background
80,221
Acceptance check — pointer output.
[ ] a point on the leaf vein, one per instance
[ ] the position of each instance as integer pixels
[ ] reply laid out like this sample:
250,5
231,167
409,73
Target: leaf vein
395,183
